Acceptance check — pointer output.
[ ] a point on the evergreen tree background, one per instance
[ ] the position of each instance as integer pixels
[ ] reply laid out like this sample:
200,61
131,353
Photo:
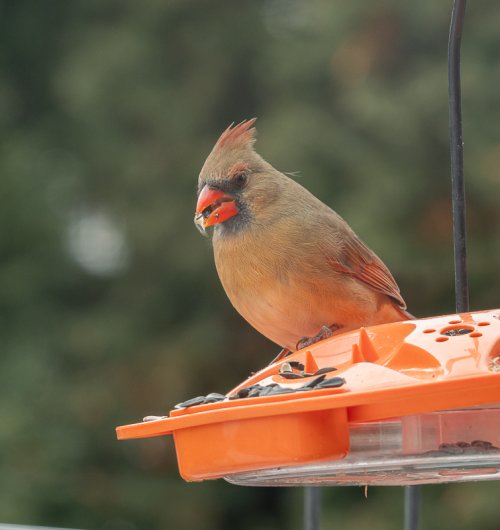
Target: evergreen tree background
110,308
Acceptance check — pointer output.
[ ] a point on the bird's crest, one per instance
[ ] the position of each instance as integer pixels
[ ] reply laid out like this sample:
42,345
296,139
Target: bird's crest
236,136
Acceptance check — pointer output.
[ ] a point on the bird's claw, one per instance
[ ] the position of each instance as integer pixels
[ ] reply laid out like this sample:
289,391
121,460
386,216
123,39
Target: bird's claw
324,333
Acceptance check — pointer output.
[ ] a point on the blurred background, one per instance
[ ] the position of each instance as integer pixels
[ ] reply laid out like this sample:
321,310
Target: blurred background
110,307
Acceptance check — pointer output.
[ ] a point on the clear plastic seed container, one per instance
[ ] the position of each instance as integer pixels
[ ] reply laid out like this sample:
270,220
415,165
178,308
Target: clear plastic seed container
447,446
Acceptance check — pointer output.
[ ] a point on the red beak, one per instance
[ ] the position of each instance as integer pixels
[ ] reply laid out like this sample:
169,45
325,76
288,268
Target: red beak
213,207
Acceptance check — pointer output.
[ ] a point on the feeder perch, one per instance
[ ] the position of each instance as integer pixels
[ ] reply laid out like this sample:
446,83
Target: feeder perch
396,404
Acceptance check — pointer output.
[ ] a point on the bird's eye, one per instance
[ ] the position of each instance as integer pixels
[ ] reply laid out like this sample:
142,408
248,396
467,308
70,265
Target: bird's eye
240,179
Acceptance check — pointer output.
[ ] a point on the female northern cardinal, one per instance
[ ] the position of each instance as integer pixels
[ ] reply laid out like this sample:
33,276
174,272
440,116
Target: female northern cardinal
291,266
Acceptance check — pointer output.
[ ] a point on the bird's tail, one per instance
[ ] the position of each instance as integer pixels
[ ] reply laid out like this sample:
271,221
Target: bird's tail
391,312
404,314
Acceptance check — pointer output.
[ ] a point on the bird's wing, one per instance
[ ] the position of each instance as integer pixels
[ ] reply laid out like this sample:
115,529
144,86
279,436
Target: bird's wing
359,261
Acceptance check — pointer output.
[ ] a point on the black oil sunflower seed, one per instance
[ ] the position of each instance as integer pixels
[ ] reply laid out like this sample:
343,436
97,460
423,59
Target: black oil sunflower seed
333,382
280,390
481,443
266,390
214,397
243,392
199,400
314,382
452,449
296,364
325,370
254,391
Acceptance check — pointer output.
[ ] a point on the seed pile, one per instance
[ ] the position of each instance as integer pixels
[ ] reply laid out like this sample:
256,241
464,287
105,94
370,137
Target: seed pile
274,388
261,390
476,447
213,397
457,331
289,370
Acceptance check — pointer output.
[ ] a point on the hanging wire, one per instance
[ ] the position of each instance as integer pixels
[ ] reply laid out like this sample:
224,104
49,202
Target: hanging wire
412,493
457,157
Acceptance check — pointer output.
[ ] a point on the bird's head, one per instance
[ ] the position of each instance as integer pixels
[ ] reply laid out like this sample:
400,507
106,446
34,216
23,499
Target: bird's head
234,185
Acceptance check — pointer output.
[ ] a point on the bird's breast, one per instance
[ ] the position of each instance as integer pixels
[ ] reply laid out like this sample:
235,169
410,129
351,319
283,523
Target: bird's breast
281,295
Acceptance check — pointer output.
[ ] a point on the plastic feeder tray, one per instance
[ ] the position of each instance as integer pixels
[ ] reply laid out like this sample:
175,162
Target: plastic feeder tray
413,402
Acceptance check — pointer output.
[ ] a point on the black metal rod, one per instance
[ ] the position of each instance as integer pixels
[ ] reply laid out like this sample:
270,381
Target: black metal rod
457,158
312,507
412,507
412,493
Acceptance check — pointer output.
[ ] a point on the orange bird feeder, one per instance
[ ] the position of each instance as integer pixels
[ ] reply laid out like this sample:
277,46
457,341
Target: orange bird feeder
395,404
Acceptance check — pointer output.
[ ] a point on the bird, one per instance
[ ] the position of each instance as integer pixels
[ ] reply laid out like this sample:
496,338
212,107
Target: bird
289,264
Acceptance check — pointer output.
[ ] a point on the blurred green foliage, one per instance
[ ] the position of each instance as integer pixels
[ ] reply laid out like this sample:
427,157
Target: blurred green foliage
110,308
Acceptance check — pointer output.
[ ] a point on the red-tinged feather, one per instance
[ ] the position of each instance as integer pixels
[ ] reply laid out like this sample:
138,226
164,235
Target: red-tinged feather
237,135
360,262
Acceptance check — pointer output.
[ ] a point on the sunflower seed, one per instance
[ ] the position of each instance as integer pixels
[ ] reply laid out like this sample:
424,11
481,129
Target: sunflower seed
281,390
243,392
325,370
153,418
314,382
333,382
285,368
296,364
191,402
481,443
452,449
265,390
214,397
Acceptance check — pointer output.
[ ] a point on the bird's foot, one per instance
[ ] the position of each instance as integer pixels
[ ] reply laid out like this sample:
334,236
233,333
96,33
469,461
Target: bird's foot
324,333
285,352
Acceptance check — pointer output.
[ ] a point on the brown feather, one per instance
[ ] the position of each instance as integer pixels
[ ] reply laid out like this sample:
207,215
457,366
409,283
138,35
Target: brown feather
237,135
360,262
